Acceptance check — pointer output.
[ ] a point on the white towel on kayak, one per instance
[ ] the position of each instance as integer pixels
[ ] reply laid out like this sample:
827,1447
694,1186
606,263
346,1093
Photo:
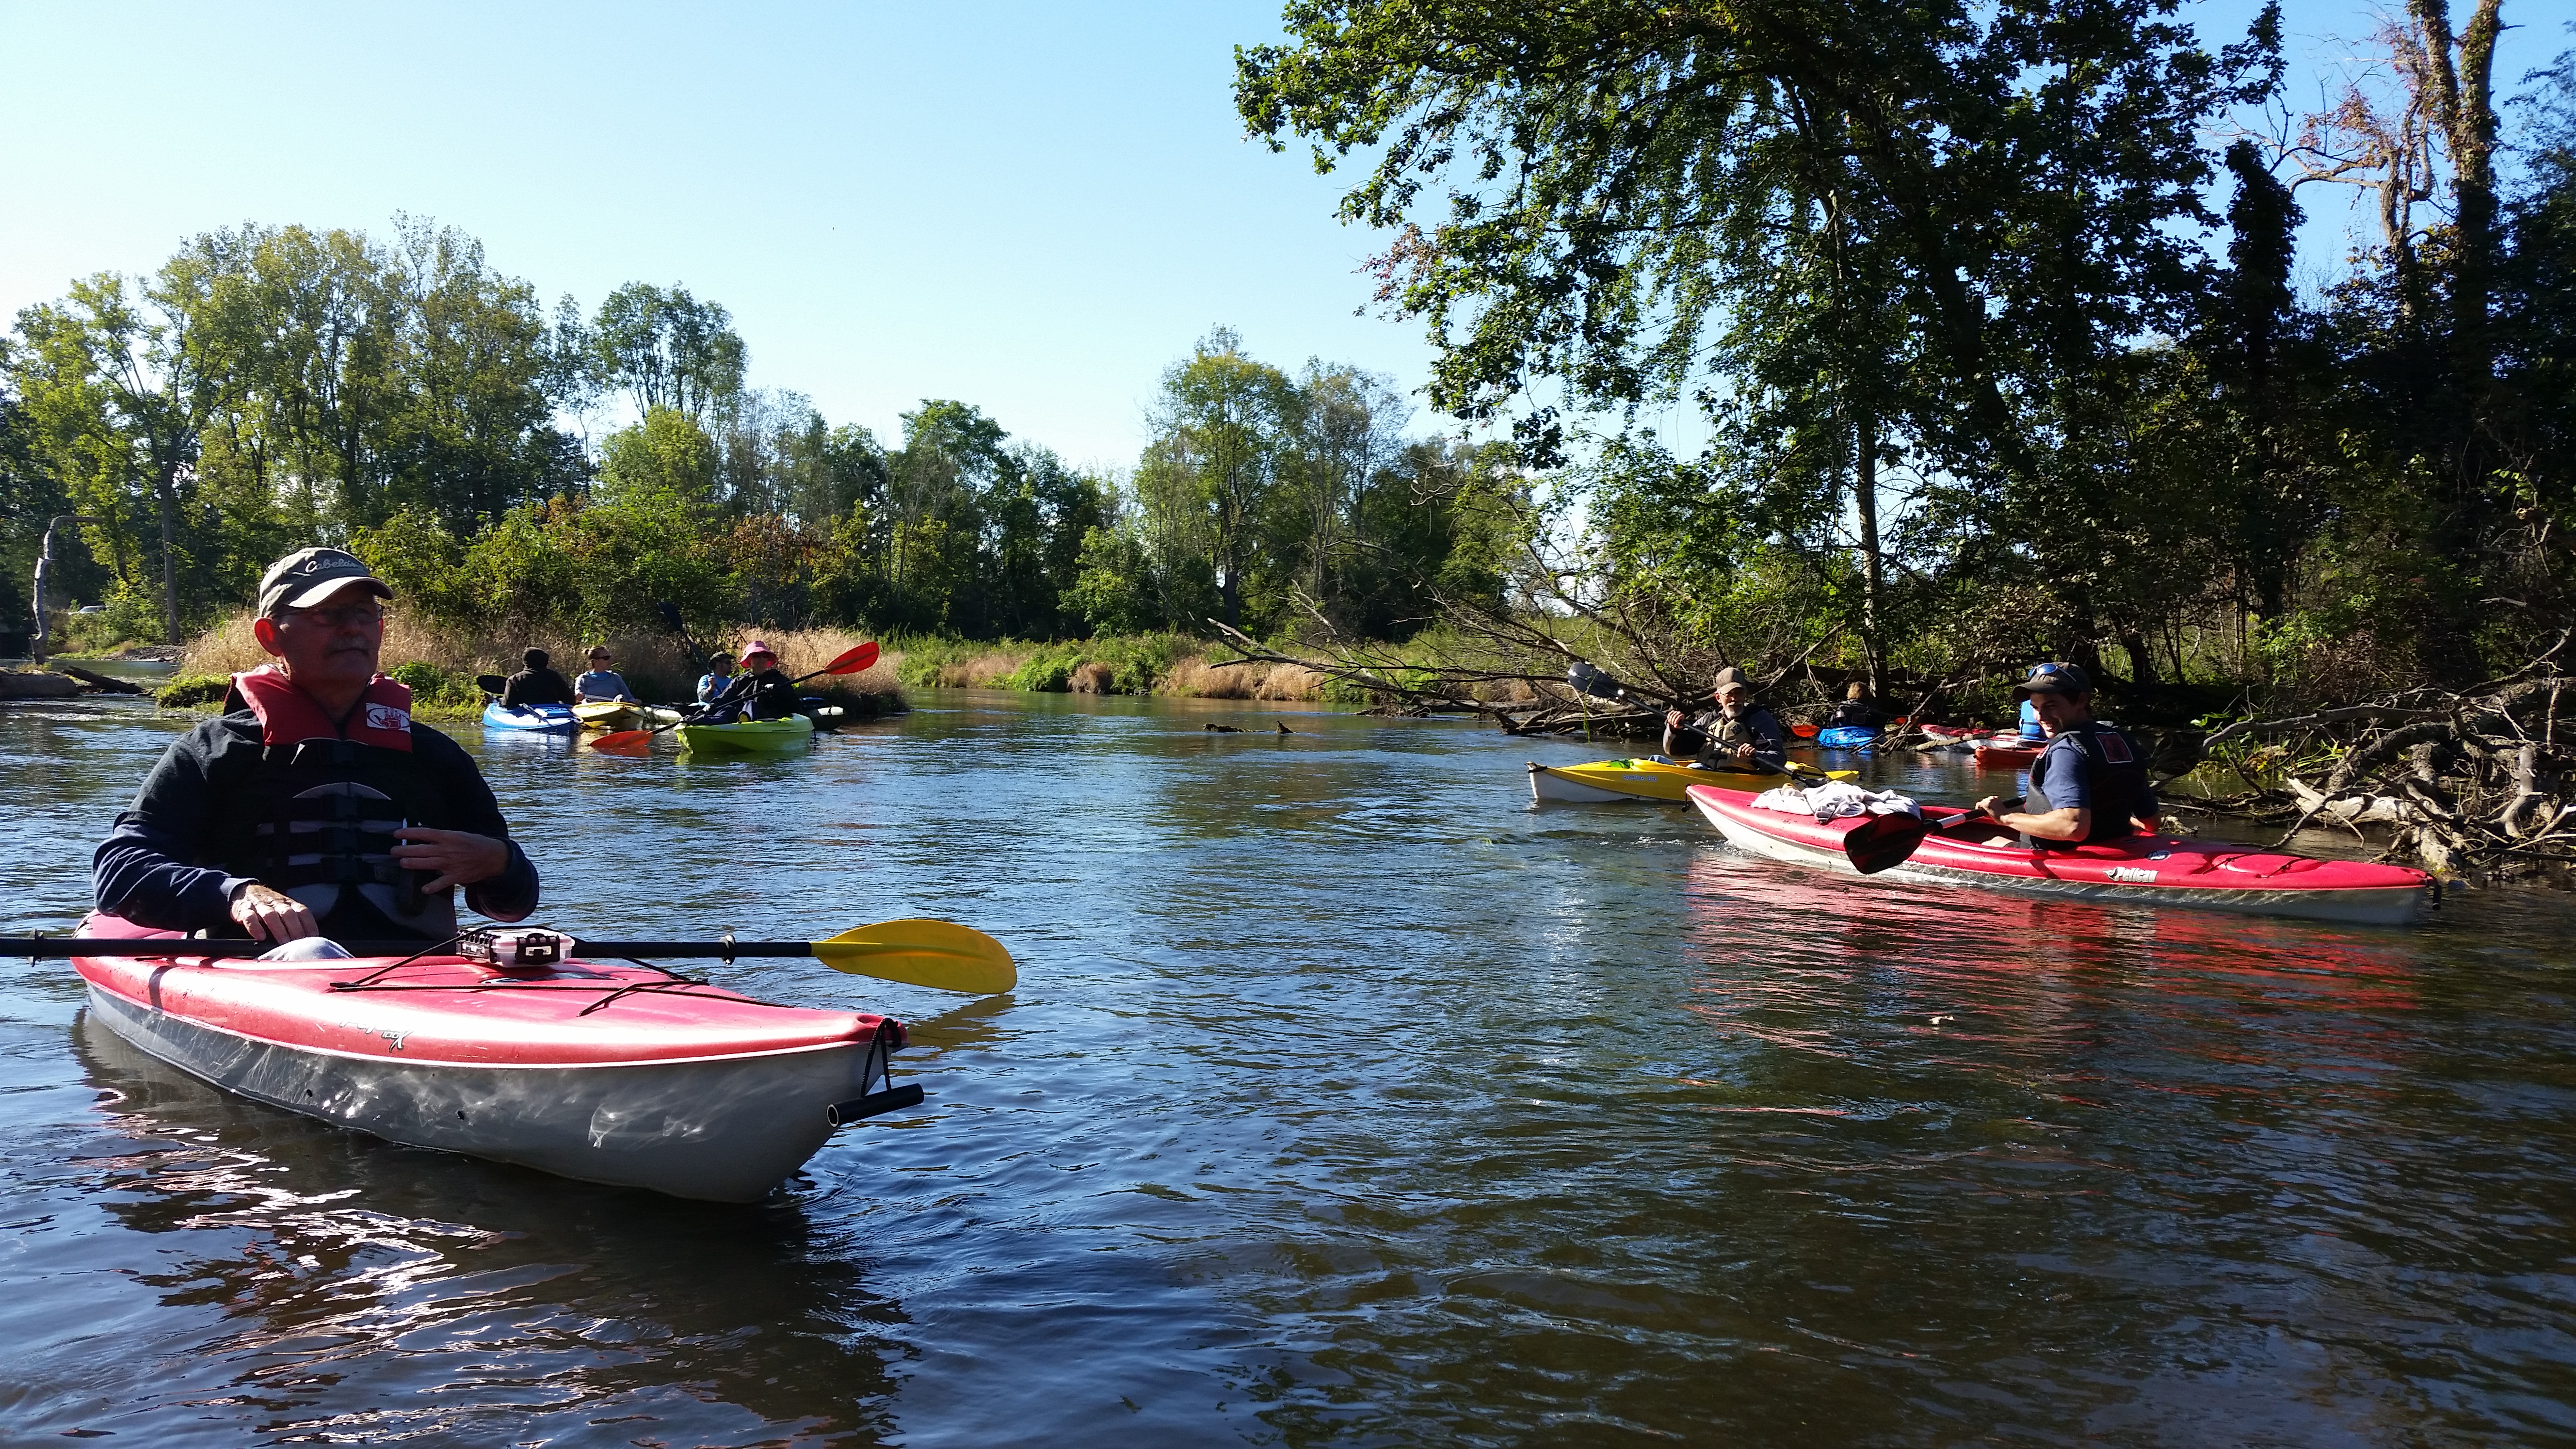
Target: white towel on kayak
1835,799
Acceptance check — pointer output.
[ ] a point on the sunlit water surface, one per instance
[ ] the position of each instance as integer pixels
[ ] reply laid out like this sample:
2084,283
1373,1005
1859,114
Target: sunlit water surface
1348,1098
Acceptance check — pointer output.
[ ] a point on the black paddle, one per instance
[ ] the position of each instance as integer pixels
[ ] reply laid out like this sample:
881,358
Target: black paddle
671,616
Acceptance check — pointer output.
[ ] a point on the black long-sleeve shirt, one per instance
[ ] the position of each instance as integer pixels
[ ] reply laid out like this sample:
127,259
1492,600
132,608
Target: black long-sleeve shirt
149,868
535,686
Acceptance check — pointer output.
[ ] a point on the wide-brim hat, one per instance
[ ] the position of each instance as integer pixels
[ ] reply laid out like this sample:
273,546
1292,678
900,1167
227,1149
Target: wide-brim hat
757,646
309,575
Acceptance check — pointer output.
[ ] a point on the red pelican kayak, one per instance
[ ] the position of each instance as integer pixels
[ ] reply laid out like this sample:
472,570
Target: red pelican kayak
2149,869
606,1072
2006,753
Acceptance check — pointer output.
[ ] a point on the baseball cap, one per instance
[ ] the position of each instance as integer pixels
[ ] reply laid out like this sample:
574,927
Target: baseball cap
2055,679
1730,678
309,575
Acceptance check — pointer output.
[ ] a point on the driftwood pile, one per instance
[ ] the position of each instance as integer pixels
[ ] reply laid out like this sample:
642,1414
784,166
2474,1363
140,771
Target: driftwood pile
2471,783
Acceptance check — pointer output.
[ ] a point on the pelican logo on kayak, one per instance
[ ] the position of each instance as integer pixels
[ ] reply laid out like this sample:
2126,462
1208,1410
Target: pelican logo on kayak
393,1039
2131,872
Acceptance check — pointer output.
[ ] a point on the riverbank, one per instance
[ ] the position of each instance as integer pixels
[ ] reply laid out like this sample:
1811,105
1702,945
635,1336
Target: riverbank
441,665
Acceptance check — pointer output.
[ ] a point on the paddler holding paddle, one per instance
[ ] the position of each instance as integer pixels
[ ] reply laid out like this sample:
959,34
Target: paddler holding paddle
1737,731
2089,783
315,806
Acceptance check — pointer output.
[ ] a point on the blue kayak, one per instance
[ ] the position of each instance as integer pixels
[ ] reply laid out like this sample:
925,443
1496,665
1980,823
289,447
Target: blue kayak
1846,737
539,719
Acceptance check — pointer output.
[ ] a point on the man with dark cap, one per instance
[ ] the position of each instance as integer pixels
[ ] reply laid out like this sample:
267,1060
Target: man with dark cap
315,807
535,683
2089,783
1738,732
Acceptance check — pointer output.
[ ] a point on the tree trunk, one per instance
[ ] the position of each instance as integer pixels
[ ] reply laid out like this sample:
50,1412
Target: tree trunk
1873,564
169,491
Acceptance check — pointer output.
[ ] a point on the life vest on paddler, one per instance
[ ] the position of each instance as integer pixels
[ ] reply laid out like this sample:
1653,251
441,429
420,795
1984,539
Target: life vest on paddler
2119,780
316,817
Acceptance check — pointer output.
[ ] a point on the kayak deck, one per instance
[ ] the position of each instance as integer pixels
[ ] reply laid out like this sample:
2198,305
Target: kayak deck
1646,777
605,1072
2156,870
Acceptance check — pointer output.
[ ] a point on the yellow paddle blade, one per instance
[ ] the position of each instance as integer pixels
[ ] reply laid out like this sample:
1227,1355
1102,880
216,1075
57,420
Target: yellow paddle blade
939,954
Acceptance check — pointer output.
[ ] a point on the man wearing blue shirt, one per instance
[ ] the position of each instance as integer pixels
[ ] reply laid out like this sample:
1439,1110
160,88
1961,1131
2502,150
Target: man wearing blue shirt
2089,783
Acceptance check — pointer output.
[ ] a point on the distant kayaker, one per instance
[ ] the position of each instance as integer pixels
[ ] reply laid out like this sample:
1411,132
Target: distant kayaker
535,683
601,683
2089,783
1737,731
316,806
761,691
719,675
1855,710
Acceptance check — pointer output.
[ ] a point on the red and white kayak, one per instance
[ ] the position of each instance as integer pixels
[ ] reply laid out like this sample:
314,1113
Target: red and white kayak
2151,870
609,1073
2006,752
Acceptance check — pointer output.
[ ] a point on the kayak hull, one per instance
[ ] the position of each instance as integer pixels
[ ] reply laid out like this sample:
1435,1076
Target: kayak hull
1847,737
1643,778
533,719
749,737
2146,870
2006,757
623,715
689,1091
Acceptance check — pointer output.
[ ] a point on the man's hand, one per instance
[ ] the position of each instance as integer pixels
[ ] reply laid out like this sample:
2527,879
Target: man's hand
1985,806
273,915
1744,752
1672,719
454,857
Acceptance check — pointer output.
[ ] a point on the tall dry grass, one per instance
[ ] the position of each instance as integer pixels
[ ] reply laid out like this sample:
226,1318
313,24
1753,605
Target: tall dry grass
655,665
1197,677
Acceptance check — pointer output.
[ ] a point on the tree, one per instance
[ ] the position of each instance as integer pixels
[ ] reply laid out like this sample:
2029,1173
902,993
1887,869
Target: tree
1221,425
667,349
115,403
1932,231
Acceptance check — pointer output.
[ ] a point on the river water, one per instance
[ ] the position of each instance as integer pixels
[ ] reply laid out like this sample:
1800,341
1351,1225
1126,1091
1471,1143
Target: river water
1348,1098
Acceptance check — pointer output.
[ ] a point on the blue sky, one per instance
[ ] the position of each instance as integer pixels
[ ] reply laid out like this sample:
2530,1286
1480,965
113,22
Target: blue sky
1034,208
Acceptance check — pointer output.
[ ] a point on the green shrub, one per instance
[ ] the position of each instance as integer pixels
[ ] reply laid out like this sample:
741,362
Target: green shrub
436,688
188,690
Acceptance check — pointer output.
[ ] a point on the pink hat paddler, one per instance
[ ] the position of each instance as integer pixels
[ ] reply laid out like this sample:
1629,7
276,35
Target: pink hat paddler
757,646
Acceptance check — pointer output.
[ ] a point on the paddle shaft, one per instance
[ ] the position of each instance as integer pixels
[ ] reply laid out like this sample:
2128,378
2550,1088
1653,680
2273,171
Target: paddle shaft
55,948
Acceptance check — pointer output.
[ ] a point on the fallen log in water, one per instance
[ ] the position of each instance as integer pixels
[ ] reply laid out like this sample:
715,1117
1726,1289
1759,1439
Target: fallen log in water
2472,782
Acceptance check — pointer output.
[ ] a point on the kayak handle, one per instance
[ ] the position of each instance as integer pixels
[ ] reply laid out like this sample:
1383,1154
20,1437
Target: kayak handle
859,1109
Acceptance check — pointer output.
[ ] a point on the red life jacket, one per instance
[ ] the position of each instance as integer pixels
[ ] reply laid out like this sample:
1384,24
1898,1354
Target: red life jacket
289,716
317,815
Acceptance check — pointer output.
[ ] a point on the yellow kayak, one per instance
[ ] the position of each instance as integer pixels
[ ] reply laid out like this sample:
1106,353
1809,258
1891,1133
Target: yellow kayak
619,714
1647,777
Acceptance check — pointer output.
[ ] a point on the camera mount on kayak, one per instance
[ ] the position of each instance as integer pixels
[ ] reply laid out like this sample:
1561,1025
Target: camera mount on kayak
530,949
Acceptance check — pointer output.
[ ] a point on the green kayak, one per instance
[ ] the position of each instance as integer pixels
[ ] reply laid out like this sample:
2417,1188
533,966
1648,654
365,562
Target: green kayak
756,737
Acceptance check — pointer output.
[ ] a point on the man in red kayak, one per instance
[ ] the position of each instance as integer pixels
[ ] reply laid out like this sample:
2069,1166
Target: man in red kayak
315,806
2089,783
1737,732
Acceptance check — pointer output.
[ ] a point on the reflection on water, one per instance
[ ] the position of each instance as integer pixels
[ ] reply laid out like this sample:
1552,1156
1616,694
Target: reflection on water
1347,1098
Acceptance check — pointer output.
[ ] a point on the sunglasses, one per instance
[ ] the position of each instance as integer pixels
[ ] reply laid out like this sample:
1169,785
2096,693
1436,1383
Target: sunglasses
345,617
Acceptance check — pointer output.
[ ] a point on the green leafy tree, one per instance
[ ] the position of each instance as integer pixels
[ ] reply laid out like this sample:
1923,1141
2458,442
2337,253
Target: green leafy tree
1222,423
667,349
